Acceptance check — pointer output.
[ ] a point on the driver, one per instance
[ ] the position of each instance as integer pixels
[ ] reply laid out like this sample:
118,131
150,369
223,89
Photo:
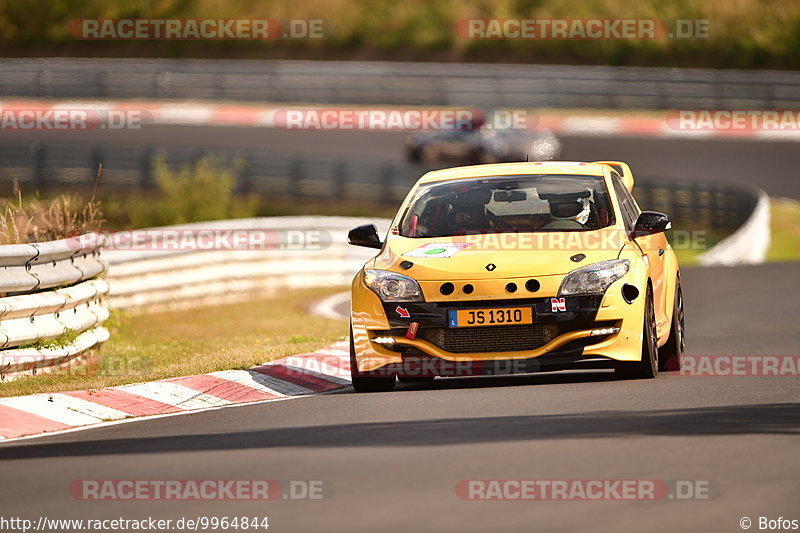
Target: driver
569,212
466,217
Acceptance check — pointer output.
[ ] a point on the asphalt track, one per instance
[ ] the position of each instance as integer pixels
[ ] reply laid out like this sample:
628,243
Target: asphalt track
394,459
769,165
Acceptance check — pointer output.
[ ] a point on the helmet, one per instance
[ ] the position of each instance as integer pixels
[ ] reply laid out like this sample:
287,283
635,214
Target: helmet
576,209
467,217
567,202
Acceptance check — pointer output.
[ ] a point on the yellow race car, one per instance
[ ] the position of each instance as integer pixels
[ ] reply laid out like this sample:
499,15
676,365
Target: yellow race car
516,268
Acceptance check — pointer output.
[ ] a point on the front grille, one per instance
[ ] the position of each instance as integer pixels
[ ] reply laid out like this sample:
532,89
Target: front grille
490,339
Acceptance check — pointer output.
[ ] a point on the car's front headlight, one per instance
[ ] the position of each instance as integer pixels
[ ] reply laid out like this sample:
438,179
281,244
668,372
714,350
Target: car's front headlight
392,287
594,278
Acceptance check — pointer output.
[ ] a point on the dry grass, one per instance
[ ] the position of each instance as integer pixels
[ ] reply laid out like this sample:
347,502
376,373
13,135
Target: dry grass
178,343
40,220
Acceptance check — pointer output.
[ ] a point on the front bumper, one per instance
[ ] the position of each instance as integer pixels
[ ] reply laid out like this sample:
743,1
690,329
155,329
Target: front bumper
588,331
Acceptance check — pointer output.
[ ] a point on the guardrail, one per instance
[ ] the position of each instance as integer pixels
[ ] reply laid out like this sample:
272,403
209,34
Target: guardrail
749,243
357,82
49,291
301,252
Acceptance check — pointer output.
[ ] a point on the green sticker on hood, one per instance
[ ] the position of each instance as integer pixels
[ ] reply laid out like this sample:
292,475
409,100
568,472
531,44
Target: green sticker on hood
438,249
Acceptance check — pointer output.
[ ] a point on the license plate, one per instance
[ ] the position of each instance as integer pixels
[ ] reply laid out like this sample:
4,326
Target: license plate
501,316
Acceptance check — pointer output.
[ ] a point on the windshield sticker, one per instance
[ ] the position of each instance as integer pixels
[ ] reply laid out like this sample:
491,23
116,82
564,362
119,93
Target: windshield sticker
438,249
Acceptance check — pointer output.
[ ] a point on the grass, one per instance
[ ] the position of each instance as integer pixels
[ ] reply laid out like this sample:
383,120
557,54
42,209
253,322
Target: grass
201,191
785,228
62,341
692,243
688,257
133,210
155,346
39,220
784,235
204,190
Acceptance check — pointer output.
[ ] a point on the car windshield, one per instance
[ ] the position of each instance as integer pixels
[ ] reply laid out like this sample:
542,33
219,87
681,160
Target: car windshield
500,204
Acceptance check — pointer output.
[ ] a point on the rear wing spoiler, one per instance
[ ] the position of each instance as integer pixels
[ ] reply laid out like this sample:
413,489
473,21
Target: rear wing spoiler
623,170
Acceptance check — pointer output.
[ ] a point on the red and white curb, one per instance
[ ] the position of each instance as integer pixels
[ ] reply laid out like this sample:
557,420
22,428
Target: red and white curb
289,377
213,114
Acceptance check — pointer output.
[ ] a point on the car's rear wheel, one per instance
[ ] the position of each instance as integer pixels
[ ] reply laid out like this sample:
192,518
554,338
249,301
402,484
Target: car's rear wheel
363,383
647,366
671,354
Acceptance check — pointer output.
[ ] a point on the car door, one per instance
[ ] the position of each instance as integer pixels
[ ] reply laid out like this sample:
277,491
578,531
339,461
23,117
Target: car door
652,246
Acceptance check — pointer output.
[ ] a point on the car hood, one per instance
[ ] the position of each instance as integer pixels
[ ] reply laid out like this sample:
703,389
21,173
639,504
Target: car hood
512,255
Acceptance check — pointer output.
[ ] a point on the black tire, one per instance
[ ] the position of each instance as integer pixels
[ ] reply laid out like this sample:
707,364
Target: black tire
362,383
670,356
415,379
647,366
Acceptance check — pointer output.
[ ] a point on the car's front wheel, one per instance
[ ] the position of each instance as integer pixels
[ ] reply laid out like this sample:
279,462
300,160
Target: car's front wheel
647,366
363,383
671,354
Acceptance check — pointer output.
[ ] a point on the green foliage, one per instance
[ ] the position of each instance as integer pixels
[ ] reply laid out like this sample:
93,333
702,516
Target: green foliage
62,341
189,193
204,191
744,33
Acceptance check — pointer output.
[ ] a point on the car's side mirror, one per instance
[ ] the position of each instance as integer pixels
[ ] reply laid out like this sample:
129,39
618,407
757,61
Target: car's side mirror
650,223
366,235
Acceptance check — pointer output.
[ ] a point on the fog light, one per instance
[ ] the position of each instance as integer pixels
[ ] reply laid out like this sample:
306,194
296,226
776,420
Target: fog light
383,340
604,331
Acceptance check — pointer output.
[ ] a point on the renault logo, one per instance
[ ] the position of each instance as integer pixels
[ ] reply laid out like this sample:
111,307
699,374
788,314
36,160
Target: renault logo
490,267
